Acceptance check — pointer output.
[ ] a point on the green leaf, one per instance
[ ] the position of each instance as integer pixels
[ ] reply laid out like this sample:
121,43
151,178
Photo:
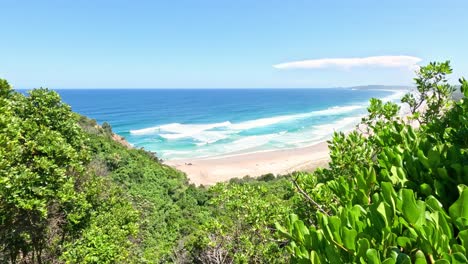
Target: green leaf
373,256
442,171
413,211
423,159
300,230
282,230
434,158
459,248
314,257
426,189
461,223
363,246
404,242
464,86
459,258
387,217
434,204
389,261
403,259
420,258
463,235
332,255
349,238
460,207
442,261
333,228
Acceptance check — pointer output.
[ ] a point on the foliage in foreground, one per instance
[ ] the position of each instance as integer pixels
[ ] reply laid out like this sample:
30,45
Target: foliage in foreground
69,193
399,195
51,205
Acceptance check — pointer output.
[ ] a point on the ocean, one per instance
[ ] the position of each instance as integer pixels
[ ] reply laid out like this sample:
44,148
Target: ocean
194,123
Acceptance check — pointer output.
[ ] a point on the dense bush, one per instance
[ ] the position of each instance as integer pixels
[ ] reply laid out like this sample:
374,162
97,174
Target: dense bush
241,229
399,195
49,201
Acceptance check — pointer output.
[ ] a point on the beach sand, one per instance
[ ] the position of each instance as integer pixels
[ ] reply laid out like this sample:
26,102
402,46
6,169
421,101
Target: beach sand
208,171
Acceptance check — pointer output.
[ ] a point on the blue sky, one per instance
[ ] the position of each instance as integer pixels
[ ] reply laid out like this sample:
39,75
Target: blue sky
219,44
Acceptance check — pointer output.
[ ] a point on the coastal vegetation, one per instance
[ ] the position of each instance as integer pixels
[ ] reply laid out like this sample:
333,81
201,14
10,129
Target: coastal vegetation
400,194
395,191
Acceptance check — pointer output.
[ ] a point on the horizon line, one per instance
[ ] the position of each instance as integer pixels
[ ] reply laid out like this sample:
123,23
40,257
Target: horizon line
212,88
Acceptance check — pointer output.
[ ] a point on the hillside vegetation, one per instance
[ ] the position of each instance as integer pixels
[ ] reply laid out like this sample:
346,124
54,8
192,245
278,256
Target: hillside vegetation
394,193
70,193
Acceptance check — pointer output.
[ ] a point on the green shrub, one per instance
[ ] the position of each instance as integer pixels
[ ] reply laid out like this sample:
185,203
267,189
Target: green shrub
399,194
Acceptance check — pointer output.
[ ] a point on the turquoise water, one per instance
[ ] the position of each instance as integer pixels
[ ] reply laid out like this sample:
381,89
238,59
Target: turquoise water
188,123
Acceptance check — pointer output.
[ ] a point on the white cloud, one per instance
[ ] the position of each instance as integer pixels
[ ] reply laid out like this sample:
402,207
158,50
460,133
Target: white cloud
346,63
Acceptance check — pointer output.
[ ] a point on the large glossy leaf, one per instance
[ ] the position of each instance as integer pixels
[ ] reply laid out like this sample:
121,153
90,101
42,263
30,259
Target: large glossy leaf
373,256
459,258
300,231
423,159
314,257
363,246
403,259
349,238
463,235
420,258
460,207
414,211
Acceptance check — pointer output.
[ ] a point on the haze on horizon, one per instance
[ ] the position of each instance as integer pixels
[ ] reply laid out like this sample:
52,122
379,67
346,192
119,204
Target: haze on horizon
218,44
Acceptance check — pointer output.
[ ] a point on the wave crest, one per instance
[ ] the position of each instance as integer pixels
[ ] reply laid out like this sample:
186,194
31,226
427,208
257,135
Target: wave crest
204,132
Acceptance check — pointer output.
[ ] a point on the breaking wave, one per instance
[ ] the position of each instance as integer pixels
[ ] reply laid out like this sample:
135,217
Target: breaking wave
209,133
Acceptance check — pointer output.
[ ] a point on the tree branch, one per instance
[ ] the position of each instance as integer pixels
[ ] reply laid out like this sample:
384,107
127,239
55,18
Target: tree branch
312,201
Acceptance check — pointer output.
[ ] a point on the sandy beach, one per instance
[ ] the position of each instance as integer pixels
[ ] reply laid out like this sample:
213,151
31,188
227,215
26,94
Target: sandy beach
208,171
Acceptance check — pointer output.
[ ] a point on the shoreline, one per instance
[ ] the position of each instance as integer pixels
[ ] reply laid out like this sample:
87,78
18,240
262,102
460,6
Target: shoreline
213,169
210,170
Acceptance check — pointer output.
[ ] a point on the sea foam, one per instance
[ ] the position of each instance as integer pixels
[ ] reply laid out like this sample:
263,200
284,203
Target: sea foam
226,138
177,130
203,123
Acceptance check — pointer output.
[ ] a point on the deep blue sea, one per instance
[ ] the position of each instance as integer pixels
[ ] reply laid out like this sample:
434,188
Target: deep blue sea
187,123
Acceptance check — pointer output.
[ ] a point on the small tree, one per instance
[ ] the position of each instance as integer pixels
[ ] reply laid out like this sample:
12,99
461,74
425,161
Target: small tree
433,89
41,156
107,128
